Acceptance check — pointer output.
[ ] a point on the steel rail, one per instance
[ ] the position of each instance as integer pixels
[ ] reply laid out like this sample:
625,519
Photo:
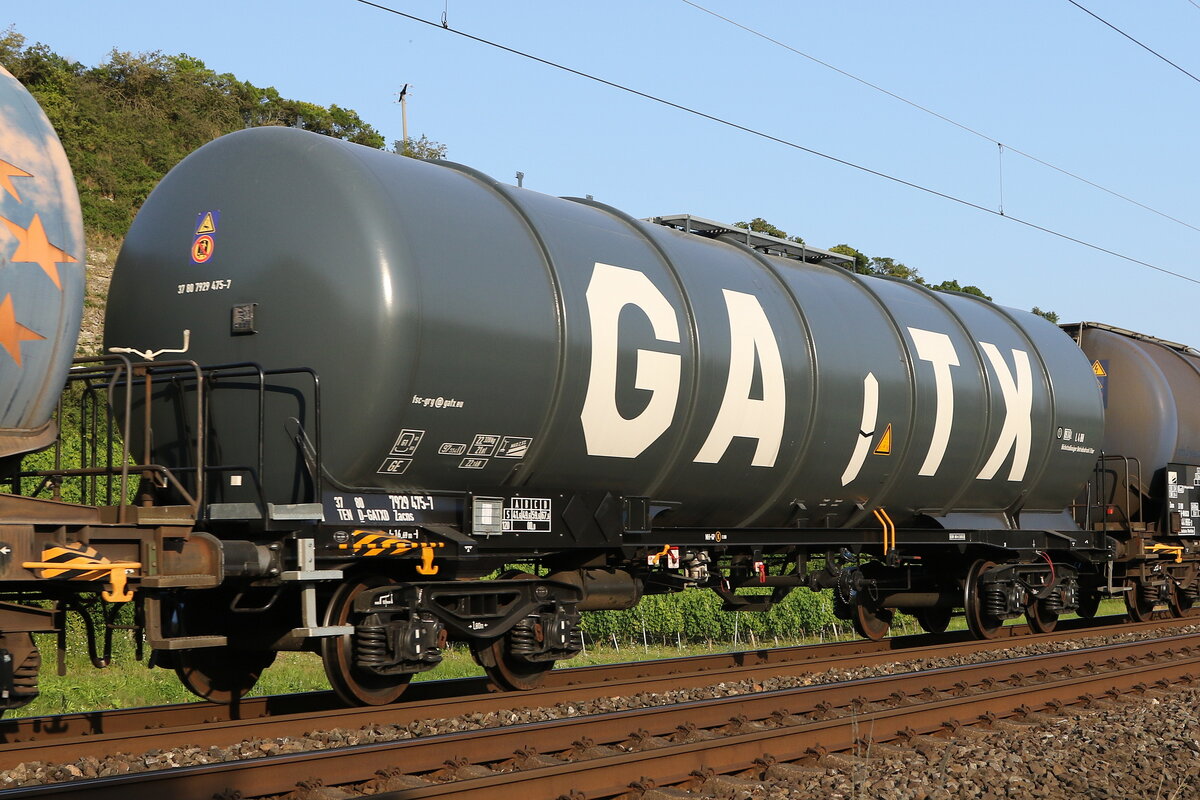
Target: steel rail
672,765
885,706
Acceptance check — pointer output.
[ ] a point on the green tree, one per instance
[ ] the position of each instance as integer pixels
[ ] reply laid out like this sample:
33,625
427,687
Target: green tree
424,148
953,286
125,122
862,264
1050,315
760,225
890,267
884,265
335,121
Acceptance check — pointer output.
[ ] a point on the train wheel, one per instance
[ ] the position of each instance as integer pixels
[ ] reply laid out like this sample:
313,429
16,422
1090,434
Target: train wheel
981,624
216,674
871,621
1040,619
1180,604
1089,604
508,671
934,620
1136,603
26,662
221,674
352,684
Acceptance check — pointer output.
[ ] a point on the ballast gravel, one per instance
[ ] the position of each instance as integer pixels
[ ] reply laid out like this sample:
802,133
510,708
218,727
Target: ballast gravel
1126,750
1143,748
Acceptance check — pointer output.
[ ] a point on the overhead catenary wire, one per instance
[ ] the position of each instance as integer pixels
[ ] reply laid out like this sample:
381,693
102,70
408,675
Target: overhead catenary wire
1000,150
942,117
1145,47
777,139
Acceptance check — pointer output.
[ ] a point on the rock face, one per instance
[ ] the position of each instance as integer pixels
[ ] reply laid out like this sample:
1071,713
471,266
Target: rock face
102,254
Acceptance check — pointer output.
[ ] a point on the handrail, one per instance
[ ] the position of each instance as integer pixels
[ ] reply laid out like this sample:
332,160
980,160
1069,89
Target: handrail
100,377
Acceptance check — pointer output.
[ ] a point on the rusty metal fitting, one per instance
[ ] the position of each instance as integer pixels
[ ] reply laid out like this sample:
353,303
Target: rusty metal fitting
814,754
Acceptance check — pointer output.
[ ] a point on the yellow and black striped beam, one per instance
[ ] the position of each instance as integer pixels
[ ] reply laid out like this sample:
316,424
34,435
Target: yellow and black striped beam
378,543
75,561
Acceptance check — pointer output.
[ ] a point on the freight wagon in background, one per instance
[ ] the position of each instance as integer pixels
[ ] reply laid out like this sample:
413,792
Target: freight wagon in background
355,387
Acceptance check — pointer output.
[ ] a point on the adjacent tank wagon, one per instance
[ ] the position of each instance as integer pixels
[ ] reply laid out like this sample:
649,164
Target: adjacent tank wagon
1147,479
41,270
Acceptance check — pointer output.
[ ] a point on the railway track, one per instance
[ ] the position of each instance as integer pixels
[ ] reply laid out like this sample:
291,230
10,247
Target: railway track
635,730
67,737
602,755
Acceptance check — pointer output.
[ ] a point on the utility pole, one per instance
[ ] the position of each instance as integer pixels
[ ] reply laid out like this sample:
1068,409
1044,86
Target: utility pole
520,179
404,116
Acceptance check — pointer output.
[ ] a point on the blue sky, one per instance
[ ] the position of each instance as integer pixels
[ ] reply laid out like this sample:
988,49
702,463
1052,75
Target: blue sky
1042,77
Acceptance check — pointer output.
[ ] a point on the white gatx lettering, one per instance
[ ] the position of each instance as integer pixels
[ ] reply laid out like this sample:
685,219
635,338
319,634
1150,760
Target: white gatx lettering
751,339
605,431
937,349
1017,433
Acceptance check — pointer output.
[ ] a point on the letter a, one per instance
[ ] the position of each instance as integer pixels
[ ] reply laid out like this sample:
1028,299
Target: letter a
750,336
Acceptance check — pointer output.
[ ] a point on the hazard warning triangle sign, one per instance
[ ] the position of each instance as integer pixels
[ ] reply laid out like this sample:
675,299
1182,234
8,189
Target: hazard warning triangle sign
884,448
207,224
1098,370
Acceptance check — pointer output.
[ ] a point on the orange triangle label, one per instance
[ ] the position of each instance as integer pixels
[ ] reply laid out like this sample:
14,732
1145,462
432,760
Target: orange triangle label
884,448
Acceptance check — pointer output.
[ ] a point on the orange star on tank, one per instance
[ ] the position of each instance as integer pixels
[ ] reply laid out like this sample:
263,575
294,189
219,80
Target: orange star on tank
7,173
34,248
12,333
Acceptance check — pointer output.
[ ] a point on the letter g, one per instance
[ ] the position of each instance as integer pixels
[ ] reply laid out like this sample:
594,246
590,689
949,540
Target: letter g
605,431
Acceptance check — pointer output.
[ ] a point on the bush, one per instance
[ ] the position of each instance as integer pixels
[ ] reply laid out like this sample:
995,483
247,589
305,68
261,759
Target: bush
695,615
